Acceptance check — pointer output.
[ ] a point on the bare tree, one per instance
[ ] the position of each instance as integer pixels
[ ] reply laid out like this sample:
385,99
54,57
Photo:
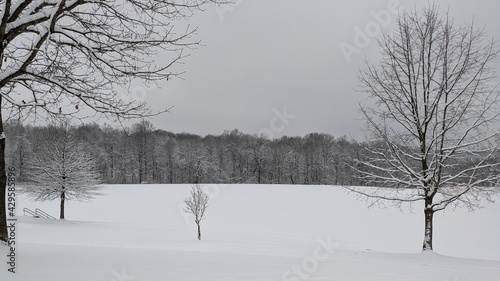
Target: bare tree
62,169
142,140
72,57
435,104
197,204
259,148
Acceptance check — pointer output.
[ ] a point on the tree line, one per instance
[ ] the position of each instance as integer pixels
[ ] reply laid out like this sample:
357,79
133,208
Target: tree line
143,154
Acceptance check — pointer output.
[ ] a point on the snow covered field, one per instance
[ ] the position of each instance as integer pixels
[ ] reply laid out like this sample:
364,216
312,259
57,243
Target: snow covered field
252,232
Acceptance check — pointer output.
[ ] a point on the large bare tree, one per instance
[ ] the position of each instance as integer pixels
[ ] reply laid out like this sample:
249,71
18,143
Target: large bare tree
434,117
72,57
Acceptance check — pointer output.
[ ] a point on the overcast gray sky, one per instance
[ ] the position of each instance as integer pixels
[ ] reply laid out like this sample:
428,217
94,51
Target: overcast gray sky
277,67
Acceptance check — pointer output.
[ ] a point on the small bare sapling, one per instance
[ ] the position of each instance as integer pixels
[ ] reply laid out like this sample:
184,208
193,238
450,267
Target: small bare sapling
197,204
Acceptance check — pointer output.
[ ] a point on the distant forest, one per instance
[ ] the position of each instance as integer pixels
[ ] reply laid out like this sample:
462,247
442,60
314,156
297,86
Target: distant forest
143,154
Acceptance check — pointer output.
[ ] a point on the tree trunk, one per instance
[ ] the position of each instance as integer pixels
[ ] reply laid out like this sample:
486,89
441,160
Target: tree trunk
112,164
3,186
3,183
336,173
429,215
21,162
61,213
199,231
140,167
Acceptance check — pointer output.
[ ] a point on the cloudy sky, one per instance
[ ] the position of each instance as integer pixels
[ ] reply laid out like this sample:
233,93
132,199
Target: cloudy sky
277,67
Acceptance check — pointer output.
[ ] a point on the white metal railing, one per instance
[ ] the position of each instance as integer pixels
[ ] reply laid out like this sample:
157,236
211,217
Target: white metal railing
30,212
43,214
38,213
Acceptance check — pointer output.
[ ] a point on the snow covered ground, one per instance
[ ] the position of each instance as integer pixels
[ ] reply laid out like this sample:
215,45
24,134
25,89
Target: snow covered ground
252,232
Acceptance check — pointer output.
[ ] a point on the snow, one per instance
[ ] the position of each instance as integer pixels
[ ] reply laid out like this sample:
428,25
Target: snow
29,19
252,232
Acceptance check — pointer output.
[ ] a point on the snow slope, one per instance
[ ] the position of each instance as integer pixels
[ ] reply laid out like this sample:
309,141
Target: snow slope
252,232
